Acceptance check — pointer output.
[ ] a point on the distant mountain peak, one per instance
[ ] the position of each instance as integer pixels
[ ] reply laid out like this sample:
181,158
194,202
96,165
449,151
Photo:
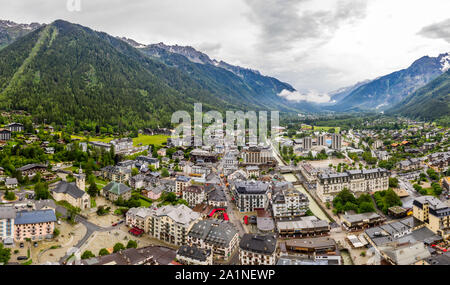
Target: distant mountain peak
392,88
10,31
132,42
196,56
11,24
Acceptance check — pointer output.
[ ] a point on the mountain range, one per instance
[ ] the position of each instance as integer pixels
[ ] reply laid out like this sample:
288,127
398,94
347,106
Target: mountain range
64,72
431,102
10,31
384,92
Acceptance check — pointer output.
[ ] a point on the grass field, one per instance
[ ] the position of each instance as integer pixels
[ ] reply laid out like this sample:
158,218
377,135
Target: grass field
156,140
325,129
101,183
91,139
145,203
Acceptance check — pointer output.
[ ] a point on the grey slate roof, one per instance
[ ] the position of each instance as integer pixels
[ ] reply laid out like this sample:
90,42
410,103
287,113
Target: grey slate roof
31,166
264,244
194,252
214,231
35,217
7,213
11,181
69,188
251,187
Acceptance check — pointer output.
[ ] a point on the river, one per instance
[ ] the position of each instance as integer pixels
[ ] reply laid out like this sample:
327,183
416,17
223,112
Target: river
315,209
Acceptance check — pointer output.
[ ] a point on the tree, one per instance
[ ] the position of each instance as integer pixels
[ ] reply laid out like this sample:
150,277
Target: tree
433,174
132,244
93,189
103,252
437,189
118,247
87,254
72,212
5,254
393,182
102,210
134,171
41,191
10,196
366,207
165,173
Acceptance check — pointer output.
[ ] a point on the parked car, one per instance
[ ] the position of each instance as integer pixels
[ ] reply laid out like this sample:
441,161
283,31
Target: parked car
22,257
35,244
21,245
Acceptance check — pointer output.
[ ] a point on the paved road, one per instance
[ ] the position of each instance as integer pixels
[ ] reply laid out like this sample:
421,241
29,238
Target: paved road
407,201
90,229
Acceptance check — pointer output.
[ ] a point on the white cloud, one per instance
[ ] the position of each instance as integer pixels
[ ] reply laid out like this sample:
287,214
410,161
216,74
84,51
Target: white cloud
310,96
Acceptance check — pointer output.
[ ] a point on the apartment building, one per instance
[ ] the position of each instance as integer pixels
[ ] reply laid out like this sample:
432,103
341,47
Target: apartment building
289,203
434,213
307,143
36,225
230,163
217,235
116,173
194,195
251,195
257,249
16,127
7,216
336,141
172,223
122,145
377,144
309,172
181,183
257,155
357,181
139,218
321,141
5,135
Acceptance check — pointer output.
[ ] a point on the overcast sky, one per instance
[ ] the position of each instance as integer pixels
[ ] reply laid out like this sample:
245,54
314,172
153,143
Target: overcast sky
315,45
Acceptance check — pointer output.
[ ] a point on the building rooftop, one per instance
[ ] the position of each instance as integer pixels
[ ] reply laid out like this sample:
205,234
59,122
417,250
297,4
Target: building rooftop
7,212
194,252
70,189
35,217
213,231
356,218
251,187
264,244
31,166
181,214
117,188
